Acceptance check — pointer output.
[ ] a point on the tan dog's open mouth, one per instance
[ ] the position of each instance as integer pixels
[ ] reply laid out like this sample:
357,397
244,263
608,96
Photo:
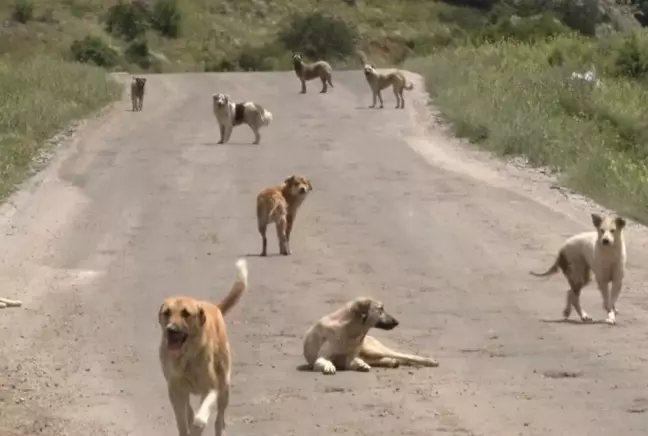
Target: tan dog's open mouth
175,338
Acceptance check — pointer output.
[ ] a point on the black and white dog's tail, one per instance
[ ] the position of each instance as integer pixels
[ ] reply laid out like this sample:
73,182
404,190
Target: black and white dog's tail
266,115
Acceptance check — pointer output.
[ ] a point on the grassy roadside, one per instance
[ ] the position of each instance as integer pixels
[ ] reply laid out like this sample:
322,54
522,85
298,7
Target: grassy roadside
41,96
512,98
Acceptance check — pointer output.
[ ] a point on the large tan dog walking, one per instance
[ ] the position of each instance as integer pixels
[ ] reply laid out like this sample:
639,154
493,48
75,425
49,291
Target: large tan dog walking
195,355
379,81
279,204
137,89
340,341
306,72
602,252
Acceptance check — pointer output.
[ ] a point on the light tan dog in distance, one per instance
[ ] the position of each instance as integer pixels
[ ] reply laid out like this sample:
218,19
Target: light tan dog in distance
602,252
137,88
195,355
306,72
340,341
279,204
379,81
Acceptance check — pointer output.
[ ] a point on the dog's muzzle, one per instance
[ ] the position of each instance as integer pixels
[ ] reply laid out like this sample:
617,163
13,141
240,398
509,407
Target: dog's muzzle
175,337
302,190
388,323
605,241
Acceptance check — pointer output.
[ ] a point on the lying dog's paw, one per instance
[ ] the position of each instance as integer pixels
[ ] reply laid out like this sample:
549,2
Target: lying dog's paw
328,368
432,362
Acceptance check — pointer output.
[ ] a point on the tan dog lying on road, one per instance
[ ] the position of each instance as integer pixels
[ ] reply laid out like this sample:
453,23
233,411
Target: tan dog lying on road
138,85
5,302
306,72
195,355
340,341
602,252
379,81
279,204
230,114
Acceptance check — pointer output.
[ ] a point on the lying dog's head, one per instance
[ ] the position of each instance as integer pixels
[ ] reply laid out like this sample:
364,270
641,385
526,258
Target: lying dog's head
608,228
372,313
139,82
220,100
181,319
298,185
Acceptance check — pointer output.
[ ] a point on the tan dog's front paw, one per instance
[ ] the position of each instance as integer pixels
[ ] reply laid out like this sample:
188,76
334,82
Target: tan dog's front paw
360,365
328,368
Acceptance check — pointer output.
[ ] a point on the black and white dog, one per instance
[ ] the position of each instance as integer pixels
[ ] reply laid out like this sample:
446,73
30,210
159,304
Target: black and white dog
230,114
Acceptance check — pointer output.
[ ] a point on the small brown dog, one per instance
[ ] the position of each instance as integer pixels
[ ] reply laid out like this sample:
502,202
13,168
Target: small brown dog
306,72
137,93
379,81
195,355
279,204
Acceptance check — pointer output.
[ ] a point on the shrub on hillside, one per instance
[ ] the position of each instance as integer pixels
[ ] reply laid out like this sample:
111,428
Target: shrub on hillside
23,11
127,20
138,53
533,28
167,18
92,49
319,35
632,56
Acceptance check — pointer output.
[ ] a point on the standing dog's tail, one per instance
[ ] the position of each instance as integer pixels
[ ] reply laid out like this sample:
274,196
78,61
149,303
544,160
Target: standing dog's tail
266,117
553,269
409,86
238,288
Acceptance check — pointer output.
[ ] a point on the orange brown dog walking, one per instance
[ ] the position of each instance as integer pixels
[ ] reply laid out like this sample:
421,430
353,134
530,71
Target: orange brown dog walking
279,204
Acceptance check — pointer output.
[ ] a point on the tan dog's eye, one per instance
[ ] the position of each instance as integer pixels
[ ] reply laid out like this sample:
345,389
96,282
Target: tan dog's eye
612,231
167,313
185,313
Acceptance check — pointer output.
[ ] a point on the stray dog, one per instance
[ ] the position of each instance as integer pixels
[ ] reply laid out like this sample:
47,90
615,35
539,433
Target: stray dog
340,341
379,81
137,93
306,72
230,114
279,204
603,252
195,355
5,302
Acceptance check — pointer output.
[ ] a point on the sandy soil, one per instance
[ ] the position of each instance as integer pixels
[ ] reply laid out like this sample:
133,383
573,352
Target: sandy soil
139,206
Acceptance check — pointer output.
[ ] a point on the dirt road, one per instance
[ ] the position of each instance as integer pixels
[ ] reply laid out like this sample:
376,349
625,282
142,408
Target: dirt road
144,205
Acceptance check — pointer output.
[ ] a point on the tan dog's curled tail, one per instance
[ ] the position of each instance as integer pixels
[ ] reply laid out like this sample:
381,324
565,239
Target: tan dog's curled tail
238,288
266,117
560,259
409,86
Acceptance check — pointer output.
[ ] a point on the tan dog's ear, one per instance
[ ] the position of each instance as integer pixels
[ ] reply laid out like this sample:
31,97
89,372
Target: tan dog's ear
620,222
201,315
290,180
597,220
373,66
160,311
310,185
361,310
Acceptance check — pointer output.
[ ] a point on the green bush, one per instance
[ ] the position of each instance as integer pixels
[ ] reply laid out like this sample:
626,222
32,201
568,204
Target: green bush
319,35
23,11
138,53
529,29
167,18
92,49
127,20
632,57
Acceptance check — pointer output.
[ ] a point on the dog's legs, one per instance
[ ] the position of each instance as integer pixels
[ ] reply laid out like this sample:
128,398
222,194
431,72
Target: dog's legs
204,411
568,305
180,403
223,401
357,364
290,219
257,137
575,299
134,103
398,97
616,291
221,128
385,362
373,96
228,132
374,351
263,227
402,99
141,103
324,86
282,223
324,366
381,100
303,86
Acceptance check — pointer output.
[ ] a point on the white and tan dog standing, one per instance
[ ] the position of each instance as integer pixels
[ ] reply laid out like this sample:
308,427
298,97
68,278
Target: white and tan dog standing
339,340
195,355
230,114
602,252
